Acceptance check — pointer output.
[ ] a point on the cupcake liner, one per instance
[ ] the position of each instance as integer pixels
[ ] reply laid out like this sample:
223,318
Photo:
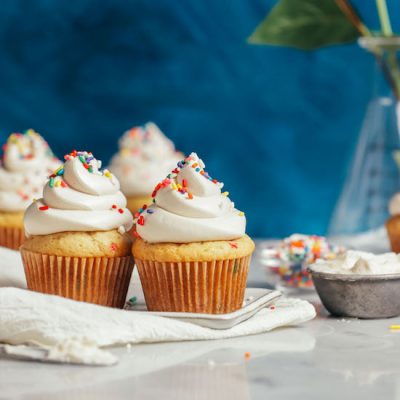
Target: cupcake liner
99,280
395,243
393,232
394,240
11,237
212,287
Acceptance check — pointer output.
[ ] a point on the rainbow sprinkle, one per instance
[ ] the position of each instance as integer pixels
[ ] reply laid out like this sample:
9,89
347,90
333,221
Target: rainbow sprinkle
25,144
88,161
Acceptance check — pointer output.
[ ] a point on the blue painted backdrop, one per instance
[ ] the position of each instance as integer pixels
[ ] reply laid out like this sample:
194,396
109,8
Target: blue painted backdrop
278,126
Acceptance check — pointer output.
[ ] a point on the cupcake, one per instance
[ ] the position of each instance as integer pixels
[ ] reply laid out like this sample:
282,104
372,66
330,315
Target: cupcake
145,156
25,165
393,223
191,251
76,244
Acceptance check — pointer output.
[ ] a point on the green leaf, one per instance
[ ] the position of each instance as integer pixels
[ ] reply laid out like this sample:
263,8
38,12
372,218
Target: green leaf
305,24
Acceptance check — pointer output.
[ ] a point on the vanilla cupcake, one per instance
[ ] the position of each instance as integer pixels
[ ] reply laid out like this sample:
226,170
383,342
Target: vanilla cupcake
192,252
25,165
77,245
145,156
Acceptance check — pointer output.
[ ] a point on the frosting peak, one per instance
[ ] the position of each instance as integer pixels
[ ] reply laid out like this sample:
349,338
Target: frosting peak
188,206
145,155
26,162
79,196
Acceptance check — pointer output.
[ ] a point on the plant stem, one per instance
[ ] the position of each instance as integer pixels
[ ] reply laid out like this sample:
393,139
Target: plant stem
384,17
392,63
390,71
350,12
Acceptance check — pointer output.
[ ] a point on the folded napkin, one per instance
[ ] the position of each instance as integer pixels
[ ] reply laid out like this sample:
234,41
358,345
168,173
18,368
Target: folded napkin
11,269
74,331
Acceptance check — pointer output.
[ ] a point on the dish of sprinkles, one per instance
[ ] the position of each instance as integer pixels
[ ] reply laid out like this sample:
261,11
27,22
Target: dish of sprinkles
292,256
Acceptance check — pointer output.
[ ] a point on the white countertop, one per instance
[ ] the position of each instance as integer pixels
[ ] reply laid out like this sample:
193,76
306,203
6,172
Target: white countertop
326,358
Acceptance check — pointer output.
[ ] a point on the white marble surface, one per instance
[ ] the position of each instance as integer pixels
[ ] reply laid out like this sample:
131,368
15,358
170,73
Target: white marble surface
326,358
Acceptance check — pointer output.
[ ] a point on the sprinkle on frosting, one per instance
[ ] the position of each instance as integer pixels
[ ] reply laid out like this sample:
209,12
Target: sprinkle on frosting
182,187
209,215
145,154
79,196
25,164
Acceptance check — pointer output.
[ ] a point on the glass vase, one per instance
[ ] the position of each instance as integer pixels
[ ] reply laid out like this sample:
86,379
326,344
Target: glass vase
374,174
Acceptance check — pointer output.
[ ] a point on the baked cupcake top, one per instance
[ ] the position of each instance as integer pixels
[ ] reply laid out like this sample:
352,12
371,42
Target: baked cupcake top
25,165
188,206
145,156
79,196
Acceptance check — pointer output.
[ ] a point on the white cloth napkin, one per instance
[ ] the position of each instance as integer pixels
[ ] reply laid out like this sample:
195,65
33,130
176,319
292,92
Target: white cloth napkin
76,332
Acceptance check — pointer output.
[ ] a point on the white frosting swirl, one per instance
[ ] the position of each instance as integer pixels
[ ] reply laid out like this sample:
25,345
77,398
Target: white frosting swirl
189,207
79,197
27,161
144,157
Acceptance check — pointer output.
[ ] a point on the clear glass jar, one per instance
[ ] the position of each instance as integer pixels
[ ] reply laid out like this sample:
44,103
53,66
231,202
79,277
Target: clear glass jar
374,174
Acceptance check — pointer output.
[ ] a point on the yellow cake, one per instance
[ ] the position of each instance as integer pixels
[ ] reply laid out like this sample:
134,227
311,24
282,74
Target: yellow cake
81,244
134,203
195,251
12,219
